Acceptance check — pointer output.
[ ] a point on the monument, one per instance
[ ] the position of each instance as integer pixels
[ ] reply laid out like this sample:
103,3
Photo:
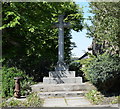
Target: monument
61,75
61,82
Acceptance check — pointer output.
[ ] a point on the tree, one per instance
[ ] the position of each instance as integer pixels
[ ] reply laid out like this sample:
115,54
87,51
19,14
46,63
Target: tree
103,69
29,41
105,29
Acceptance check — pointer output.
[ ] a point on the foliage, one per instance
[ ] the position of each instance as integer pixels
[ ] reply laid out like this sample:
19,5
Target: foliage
85,64
94,96
31,101
75,66
119,99
98,98
0,84
116,100
8,82
34,100
103,71
105,25
29,41
12,103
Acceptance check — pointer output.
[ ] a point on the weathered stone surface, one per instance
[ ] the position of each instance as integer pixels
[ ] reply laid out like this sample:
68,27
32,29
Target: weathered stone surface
61,87
64,80
61,74
62,94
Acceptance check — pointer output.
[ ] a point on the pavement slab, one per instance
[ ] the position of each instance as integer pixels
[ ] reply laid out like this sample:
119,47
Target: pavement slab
66,102
71,102
75,102
54,102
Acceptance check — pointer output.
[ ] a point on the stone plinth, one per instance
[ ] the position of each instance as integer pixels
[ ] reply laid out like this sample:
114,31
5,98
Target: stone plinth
64,80
61,74
62,77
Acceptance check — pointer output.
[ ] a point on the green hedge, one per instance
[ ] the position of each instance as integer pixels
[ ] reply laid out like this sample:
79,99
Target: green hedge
103,71
8,82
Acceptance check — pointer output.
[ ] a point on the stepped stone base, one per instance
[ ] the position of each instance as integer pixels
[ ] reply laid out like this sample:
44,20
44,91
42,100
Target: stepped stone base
47,80
40,87
62,94
62,77
61,84
61,90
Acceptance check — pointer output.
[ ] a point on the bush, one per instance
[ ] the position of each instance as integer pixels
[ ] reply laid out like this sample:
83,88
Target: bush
75,66
103,71
115,100
34,100
94,96
8,82
31,101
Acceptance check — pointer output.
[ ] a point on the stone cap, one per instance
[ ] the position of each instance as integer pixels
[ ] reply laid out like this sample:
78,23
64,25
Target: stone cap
18,78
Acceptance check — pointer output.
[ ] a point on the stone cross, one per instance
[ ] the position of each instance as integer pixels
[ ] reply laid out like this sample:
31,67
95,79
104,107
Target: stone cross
61,66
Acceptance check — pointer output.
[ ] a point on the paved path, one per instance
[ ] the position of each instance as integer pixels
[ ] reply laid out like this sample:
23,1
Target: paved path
73,102
66,102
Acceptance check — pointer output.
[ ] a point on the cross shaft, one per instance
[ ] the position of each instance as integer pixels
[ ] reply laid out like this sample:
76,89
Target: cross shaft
61,25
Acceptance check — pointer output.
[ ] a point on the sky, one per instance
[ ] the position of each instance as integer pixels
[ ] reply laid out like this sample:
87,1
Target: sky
80,39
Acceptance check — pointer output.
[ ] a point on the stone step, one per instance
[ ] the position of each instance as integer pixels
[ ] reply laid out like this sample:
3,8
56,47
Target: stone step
40,87
62,94
63,80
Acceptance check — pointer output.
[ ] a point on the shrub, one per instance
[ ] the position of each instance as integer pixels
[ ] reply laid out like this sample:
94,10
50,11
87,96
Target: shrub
34,100
75,66
12,103
31,101
103,71
115,100
8,83
94,96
